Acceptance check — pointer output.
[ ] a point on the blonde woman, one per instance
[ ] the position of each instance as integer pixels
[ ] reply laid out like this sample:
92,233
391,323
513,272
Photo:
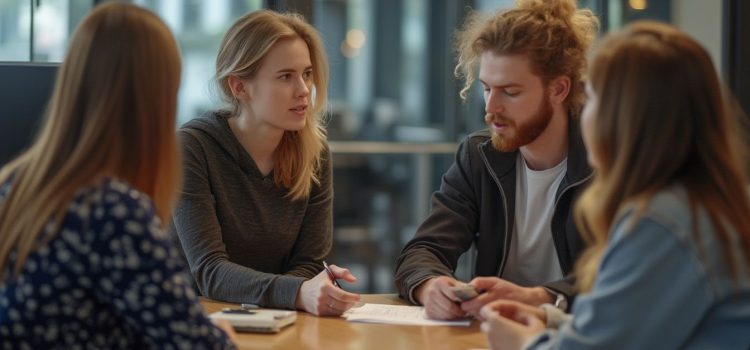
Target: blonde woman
667,217
254,219
85,261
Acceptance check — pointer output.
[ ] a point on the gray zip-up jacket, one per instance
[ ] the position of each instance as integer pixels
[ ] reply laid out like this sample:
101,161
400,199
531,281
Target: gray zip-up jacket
476,204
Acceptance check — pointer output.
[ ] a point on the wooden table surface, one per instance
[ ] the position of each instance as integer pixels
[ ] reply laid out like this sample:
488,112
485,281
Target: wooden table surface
311,332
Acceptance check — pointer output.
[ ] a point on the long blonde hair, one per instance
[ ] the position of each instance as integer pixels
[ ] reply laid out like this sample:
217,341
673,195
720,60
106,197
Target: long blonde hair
245,45
555,35
111,113
662,120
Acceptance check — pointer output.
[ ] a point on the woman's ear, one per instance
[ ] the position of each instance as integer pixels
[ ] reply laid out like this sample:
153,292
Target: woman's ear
237,86
559,88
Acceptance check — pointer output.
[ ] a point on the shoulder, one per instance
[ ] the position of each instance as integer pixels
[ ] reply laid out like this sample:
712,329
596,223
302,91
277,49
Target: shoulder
669,235
670,208
325,156
111,194
693,227
104,214
476,152
207,134
323,168
667,210
669,216
477,138
212,124
669,204
192,130
470,145
118,206
121,192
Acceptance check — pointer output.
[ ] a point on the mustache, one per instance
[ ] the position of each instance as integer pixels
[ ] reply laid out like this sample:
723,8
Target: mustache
490,118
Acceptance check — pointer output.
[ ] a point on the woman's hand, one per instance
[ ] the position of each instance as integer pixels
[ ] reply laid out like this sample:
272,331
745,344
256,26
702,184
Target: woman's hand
320,297
511,324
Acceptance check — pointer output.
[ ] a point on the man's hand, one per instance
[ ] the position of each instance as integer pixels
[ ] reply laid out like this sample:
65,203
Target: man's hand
498,289
439,301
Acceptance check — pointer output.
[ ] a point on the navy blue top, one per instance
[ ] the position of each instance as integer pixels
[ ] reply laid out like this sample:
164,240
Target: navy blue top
108,278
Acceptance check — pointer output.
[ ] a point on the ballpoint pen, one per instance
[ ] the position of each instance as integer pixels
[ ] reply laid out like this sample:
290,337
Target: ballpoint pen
330,274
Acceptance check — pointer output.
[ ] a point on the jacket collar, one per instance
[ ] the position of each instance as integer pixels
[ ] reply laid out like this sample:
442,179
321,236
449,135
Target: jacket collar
503,163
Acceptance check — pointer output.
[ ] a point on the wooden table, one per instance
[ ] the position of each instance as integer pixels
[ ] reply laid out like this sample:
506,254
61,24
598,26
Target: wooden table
311,332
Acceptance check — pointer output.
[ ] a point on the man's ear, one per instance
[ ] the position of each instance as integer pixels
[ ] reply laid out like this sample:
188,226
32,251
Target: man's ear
238,88
559,88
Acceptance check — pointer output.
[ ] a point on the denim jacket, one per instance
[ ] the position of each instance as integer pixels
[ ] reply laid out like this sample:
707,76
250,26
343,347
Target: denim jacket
658,287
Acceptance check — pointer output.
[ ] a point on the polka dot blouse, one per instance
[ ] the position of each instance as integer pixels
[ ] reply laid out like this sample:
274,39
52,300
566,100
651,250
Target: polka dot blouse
109,278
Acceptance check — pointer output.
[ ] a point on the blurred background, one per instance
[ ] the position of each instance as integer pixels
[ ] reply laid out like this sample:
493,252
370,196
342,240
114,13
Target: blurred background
395,116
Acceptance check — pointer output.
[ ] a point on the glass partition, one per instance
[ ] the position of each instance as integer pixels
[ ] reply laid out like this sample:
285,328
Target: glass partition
395,116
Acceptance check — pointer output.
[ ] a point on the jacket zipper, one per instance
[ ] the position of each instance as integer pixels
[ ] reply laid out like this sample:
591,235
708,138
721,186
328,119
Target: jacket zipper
505,207
557,201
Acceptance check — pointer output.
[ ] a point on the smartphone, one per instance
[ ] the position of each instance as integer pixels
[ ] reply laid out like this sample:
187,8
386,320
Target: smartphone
237,311
465,292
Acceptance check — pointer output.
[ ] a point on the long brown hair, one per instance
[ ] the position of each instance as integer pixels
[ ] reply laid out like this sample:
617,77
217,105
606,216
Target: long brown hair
662,120
111,113
245,45
555,35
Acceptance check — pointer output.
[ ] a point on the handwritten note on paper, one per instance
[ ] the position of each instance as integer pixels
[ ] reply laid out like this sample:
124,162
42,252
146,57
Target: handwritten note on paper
397,314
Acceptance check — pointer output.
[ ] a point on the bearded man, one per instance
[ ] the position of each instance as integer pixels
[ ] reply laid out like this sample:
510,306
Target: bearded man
511,189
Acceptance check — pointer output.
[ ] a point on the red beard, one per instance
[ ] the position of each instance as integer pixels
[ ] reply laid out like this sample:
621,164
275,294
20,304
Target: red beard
515,136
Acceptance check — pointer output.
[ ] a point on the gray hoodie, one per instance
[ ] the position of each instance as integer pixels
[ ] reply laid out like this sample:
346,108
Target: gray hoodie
244,240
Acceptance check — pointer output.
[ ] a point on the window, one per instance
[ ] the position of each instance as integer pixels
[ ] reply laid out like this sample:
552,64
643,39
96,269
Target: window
395,111
38,30
198,27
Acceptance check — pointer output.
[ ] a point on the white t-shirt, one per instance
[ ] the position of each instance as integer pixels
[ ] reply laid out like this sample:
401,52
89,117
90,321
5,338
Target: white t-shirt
532,258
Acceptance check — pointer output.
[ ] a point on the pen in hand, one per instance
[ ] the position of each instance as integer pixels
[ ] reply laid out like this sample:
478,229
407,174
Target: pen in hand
330,274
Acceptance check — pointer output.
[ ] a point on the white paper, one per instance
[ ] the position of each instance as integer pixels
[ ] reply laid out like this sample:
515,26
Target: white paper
397,314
